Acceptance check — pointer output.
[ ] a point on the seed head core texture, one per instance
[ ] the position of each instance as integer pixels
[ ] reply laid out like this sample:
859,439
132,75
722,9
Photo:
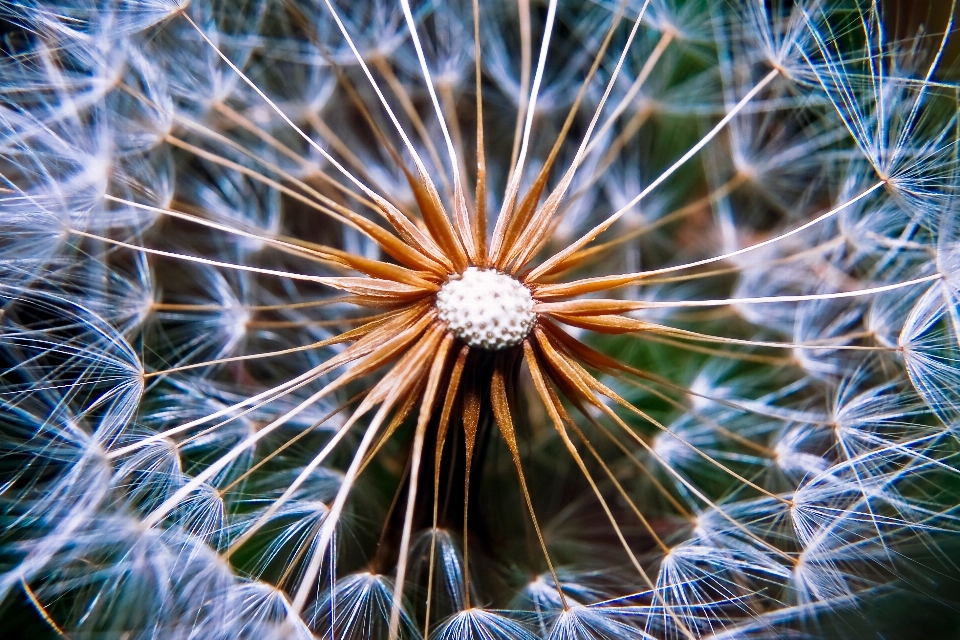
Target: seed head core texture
486,309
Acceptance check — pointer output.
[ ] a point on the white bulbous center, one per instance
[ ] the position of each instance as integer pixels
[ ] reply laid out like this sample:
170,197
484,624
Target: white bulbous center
486,309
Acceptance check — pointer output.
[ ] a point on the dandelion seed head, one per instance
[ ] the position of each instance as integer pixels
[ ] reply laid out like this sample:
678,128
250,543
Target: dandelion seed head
486,309
357,319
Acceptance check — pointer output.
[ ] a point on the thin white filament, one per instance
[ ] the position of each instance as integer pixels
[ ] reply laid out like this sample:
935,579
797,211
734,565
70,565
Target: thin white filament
393,118
645,71
528,124
661,178
528,247
330,523
206,261
170,503
689,265
304,377
800,298
299,480
454,162
216,225
367,190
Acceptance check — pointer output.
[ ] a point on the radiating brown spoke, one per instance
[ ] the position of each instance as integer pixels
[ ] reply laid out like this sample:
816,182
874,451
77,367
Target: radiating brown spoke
448,402
504,419
289,443
559,417
558,260
426,412
591,285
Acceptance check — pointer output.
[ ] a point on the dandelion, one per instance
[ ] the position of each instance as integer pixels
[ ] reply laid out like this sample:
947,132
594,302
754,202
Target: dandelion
474,320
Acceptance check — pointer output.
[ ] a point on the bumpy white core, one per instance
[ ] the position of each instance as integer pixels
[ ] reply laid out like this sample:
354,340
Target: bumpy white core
486,309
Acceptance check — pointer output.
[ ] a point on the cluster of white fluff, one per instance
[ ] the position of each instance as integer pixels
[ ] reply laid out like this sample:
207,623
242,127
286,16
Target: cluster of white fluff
160,475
